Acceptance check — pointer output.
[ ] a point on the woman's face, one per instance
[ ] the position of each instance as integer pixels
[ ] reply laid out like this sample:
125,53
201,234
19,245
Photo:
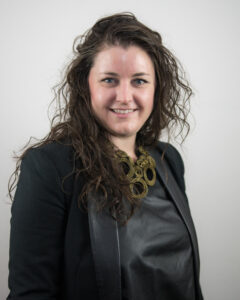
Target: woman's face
122,85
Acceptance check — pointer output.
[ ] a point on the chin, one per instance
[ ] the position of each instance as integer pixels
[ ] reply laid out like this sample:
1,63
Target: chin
124,133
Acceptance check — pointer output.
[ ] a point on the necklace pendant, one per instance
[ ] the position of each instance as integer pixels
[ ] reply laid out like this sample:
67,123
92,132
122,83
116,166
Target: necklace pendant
141,174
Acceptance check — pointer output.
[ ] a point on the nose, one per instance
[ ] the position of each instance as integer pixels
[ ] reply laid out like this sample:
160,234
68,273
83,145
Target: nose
124,93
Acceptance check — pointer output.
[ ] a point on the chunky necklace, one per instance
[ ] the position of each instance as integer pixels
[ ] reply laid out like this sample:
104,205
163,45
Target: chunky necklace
140,173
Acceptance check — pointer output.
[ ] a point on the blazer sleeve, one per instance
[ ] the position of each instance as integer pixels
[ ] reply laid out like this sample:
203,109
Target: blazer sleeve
37,230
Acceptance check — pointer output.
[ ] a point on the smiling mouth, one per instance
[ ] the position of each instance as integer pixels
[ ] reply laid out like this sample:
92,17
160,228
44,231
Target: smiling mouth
122,111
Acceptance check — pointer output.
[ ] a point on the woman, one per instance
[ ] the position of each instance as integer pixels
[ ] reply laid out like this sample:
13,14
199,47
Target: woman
100,210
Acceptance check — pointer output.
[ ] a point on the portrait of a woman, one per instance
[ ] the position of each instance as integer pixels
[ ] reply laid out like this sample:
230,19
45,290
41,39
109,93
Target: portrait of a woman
100,209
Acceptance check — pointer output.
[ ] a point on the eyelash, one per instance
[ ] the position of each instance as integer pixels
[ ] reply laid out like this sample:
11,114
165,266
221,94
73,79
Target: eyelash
140,79
113,79
105,79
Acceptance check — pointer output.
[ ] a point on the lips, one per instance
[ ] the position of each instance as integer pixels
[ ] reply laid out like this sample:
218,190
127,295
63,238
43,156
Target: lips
122,111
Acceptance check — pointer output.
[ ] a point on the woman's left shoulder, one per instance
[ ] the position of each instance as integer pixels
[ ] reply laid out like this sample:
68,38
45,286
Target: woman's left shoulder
172,154
174,160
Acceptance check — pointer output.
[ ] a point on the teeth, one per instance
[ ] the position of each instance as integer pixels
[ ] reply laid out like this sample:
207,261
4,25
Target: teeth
123,111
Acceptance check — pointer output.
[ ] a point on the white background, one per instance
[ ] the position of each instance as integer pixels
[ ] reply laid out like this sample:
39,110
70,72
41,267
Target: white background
36,42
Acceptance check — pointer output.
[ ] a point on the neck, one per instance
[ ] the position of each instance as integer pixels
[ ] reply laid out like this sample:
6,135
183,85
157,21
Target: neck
126,144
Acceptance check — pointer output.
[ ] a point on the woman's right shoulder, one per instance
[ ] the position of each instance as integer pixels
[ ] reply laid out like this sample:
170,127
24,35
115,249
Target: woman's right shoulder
58,154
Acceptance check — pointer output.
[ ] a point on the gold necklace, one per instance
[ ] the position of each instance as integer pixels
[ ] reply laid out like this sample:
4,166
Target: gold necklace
141,173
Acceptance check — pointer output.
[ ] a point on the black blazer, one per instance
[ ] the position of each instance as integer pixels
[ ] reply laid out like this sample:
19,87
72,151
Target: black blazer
58,251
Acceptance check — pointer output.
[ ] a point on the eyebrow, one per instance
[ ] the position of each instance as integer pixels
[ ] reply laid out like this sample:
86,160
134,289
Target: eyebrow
134,75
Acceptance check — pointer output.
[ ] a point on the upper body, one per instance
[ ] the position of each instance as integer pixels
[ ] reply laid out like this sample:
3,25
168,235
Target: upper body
81,188
58,242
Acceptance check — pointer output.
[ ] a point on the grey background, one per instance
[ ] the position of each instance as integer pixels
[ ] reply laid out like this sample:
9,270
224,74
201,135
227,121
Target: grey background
36,40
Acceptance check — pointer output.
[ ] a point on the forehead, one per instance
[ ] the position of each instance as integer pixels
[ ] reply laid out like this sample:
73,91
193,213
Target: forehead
119,59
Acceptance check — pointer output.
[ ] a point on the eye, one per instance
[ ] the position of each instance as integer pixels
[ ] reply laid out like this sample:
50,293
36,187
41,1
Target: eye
139,81
109,80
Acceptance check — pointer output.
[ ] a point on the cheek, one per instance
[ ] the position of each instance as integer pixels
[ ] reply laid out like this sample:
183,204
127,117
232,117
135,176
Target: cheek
148,99
95,93
101,97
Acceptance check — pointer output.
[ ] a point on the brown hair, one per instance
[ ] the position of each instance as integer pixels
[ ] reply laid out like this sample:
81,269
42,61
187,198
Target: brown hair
75,122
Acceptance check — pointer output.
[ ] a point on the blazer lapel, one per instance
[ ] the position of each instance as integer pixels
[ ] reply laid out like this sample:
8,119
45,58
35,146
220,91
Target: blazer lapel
106,253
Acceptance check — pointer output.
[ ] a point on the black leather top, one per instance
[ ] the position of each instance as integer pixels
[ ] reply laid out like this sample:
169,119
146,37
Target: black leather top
155,251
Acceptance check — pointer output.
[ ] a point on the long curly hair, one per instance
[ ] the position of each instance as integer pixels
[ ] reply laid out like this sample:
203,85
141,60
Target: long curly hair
74,122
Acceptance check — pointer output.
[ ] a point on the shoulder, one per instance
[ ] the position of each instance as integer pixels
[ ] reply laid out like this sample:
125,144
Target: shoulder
174,160
48,166
52,155
172,155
